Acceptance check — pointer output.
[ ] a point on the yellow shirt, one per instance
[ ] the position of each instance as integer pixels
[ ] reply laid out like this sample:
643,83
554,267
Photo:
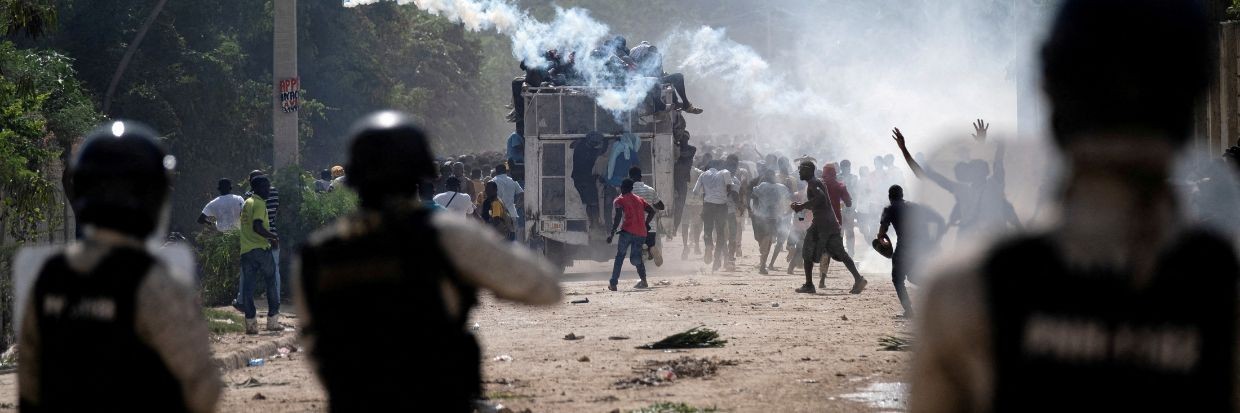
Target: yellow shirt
255,208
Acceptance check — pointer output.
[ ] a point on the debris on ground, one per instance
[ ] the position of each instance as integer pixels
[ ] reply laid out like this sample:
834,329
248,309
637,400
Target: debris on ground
662,372
250,382
584,359
664,283
690,283
256,363
502,357
571,336
697,337
808,381
259,396
506,381
618,338
668,407
581,301
776,305
606,399
253,382
843,318
903,342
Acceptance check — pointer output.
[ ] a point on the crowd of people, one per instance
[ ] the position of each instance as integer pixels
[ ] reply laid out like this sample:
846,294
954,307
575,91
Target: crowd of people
1120,305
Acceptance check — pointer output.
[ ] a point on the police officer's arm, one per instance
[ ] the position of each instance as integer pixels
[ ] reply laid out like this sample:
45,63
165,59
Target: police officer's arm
168,319
953,367
509,270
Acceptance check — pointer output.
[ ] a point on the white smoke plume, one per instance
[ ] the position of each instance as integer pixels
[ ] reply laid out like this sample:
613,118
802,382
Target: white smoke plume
708,53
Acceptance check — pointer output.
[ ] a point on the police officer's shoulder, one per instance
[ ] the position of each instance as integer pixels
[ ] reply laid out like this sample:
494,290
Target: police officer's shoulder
454,223
346,227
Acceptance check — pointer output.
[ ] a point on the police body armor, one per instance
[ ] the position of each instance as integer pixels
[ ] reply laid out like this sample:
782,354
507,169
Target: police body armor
1086,340
91,358
384,340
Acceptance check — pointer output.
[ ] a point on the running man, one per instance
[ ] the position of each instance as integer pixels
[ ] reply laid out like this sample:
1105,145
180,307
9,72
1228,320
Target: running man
632,219
911,222
823,236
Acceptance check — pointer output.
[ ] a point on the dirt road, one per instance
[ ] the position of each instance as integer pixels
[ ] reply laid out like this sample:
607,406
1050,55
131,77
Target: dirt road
786,352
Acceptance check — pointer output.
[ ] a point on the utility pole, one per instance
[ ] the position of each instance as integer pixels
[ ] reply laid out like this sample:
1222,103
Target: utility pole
286,85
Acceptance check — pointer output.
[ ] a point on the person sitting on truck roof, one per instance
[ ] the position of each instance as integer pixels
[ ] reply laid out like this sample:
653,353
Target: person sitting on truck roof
650,63
535,76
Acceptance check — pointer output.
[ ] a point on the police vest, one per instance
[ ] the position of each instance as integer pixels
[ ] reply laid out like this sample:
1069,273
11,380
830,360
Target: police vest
384,340
1087,340
90,357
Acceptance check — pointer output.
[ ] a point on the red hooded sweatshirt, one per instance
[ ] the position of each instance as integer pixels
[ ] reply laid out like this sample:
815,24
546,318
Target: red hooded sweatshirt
836,190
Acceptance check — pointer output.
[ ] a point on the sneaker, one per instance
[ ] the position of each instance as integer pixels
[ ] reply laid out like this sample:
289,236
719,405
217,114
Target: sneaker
858,286
273,323
656,255
641,284
822,283
807,289
611,287
762,270
511,116
237,305
692,109
251,326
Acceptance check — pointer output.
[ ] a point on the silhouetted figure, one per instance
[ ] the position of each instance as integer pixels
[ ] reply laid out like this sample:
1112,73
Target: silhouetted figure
408,267
110,326
1117,307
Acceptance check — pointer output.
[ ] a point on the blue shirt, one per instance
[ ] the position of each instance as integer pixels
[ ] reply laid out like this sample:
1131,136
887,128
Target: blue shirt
516,150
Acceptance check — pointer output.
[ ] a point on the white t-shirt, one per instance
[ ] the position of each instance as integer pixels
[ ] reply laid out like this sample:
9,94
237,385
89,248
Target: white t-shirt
226,209
508,190
461,204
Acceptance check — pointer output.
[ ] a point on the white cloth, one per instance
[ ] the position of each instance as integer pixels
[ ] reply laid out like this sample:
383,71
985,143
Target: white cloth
226,209
646,192
714,184
458,202
508,190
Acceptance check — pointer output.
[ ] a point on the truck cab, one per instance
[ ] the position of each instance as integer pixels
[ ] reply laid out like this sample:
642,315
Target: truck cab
556,222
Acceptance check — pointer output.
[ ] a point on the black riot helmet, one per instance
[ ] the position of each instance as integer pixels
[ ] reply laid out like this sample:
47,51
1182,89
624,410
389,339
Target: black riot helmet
388,157
120,179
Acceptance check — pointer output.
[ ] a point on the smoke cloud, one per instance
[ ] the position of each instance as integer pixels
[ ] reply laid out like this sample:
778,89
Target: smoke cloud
707,52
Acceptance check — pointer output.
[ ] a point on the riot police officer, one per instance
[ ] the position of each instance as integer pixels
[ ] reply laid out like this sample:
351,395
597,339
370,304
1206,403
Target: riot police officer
395,265
105,307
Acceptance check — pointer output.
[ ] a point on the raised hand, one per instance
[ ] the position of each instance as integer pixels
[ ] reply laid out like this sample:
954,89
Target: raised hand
979,130
899,137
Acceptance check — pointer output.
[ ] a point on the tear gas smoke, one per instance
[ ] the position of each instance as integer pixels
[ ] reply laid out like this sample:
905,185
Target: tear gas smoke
708,52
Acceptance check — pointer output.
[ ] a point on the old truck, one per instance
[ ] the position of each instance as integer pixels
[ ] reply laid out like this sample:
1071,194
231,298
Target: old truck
556,222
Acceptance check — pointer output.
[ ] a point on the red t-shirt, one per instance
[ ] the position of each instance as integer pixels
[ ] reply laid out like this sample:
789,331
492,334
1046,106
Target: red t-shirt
634,209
